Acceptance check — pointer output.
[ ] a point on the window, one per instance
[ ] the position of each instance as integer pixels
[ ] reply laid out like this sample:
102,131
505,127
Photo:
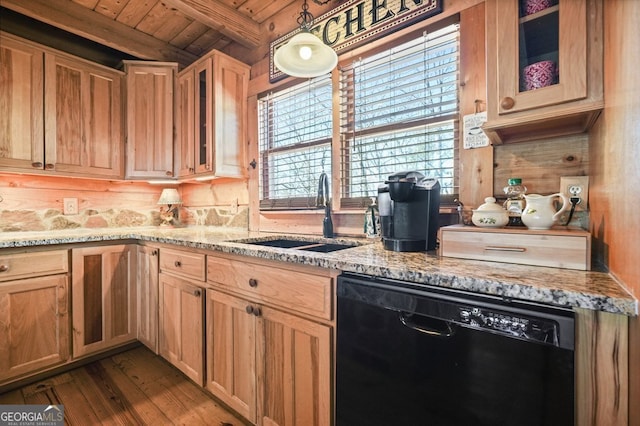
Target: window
295,143
398,112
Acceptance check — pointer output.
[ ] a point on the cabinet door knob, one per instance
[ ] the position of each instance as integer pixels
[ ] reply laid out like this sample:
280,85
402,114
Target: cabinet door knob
257,311
4,268
49,166
177,264
253,282
154,253
249,309
36,164
507,103
197,293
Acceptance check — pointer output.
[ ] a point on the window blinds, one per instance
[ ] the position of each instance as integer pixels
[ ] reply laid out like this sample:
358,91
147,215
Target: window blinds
399,111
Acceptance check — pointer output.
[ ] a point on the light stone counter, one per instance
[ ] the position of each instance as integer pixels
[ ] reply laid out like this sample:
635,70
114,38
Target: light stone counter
560,287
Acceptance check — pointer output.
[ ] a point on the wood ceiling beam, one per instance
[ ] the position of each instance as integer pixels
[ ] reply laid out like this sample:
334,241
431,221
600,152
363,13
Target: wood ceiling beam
222,18
91,25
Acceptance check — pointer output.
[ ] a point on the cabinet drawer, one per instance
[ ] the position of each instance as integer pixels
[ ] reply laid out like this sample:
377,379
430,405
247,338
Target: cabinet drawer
190,265
290,289
26,265
556,248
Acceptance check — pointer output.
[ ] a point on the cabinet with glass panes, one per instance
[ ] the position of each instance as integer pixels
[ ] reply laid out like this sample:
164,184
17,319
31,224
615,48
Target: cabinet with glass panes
544,68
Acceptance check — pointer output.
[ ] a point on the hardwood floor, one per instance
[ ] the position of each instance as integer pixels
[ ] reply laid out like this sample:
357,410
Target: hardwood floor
135,387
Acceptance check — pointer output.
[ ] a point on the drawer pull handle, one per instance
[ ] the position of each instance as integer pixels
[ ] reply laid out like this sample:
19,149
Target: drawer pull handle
36,164
177,263
4,268
516,249
197,293
253,282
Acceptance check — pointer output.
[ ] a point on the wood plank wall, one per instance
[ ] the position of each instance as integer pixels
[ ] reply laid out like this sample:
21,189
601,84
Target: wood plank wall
615,169
31,192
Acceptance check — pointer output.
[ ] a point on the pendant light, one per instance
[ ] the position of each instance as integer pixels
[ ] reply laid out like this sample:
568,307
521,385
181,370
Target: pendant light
305,55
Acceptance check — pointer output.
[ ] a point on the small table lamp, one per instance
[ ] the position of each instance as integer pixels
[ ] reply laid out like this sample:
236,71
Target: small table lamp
171,199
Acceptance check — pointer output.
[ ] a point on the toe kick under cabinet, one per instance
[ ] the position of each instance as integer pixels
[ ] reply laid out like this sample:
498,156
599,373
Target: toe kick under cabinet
269,329
559,248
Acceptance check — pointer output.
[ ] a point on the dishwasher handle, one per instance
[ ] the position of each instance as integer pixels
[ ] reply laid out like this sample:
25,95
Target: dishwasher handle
407,321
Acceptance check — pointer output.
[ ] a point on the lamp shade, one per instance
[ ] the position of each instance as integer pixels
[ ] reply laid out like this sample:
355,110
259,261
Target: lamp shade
305,55
170,196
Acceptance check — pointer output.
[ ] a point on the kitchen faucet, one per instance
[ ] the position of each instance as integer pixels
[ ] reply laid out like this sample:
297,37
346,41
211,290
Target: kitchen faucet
322,200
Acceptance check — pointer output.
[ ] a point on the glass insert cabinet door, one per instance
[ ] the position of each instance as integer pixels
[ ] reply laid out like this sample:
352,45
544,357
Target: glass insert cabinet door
541,52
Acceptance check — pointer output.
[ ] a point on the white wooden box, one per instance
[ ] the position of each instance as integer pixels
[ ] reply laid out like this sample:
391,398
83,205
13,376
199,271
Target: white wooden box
560,248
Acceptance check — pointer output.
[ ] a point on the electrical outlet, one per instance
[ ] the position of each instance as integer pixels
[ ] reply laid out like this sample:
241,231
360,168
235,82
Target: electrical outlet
576,187
70,206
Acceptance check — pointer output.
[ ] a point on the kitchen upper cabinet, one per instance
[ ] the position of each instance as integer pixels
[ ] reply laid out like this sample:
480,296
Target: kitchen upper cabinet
559,50
83,118
61,114
147,291
150,118
104,297
21,95
212,117
34,306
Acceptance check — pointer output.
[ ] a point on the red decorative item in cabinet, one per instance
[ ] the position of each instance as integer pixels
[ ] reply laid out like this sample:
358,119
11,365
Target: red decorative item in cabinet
540,74
533,6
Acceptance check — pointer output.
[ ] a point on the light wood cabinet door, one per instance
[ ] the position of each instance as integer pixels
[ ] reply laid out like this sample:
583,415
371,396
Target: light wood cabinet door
212,98
147,292
569,34
150,119
21,97
231,351
83,118
294,370
104,297
34,325
181,325
186,124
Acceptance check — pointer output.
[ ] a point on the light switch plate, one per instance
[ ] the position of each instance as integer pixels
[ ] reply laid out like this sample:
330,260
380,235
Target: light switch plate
70,206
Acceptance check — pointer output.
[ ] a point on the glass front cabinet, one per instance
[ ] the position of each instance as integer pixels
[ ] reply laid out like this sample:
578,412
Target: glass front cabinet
544,68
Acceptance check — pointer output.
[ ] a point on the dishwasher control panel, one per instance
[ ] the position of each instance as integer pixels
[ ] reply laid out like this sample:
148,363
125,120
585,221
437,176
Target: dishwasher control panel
535,329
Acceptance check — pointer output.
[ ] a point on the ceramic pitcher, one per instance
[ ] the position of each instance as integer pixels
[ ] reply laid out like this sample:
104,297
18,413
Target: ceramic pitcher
540,212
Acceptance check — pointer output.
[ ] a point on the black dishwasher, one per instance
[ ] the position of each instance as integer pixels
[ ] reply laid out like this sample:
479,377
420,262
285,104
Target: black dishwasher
412,354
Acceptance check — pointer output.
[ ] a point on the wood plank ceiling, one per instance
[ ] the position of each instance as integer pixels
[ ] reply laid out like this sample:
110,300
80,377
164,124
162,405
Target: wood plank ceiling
162,30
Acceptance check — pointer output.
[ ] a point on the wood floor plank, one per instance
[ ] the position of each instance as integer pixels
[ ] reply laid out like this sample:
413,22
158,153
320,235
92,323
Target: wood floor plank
145,411
101,396
135,387
14,397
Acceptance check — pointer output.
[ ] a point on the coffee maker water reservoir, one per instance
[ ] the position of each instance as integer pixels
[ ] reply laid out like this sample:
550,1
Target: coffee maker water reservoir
409,205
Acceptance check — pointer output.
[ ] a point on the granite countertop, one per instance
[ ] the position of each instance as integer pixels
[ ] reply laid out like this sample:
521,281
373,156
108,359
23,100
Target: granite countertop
554,286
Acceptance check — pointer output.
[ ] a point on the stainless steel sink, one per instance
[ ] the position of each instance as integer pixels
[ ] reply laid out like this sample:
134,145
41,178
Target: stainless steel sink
315,246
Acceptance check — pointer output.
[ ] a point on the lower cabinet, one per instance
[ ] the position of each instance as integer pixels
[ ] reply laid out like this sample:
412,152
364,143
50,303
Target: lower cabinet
34,325
147,291
294,370
267,357
231,352
273,368
104,297
181,325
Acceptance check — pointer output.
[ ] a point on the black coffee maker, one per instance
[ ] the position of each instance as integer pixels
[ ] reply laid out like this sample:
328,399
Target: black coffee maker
409,205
